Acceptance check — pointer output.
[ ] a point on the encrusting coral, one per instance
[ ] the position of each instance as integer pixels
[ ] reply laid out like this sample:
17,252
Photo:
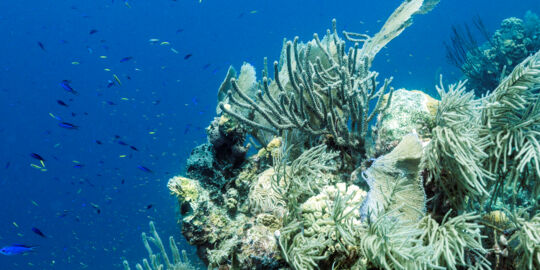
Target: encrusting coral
432,195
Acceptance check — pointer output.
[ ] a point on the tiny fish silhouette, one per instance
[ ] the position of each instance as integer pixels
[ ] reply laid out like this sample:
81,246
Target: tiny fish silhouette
67,87
142,168
37,156
16,249
125,59
38,232
62,103
68,125
41,46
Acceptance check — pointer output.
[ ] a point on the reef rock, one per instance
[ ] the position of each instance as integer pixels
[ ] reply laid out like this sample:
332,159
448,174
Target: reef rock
409,111
215,162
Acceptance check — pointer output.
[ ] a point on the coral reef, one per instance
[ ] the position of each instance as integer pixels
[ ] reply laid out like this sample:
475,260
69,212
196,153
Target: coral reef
484,65
433,194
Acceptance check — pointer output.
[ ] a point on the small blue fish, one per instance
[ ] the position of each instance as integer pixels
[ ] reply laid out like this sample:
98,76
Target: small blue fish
142,168
68,125
125,59
16,249
38,232
37,156
62,103
41,46
67,87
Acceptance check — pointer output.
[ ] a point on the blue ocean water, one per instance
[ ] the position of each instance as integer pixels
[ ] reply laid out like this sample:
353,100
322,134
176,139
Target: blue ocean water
146,75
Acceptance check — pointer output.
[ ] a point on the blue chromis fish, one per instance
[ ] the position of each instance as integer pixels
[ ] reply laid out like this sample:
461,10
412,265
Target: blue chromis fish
37,156
16,249
144,169
41,46
38,232
67,87
68,125
125,59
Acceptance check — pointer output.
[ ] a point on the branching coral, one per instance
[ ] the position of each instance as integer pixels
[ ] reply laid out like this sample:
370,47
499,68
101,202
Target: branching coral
303,177
329,223
527,237
511,121
455,242
389,243
455,154
180,262
319,90
324,88
295,183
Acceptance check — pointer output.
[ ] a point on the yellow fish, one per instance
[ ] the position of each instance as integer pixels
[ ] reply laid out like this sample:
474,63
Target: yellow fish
117,79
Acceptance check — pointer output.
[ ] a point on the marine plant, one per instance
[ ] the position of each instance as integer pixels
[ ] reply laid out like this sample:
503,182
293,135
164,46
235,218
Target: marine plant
161,260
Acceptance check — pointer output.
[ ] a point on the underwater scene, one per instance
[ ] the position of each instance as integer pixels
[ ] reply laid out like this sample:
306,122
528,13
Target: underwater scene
206,134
